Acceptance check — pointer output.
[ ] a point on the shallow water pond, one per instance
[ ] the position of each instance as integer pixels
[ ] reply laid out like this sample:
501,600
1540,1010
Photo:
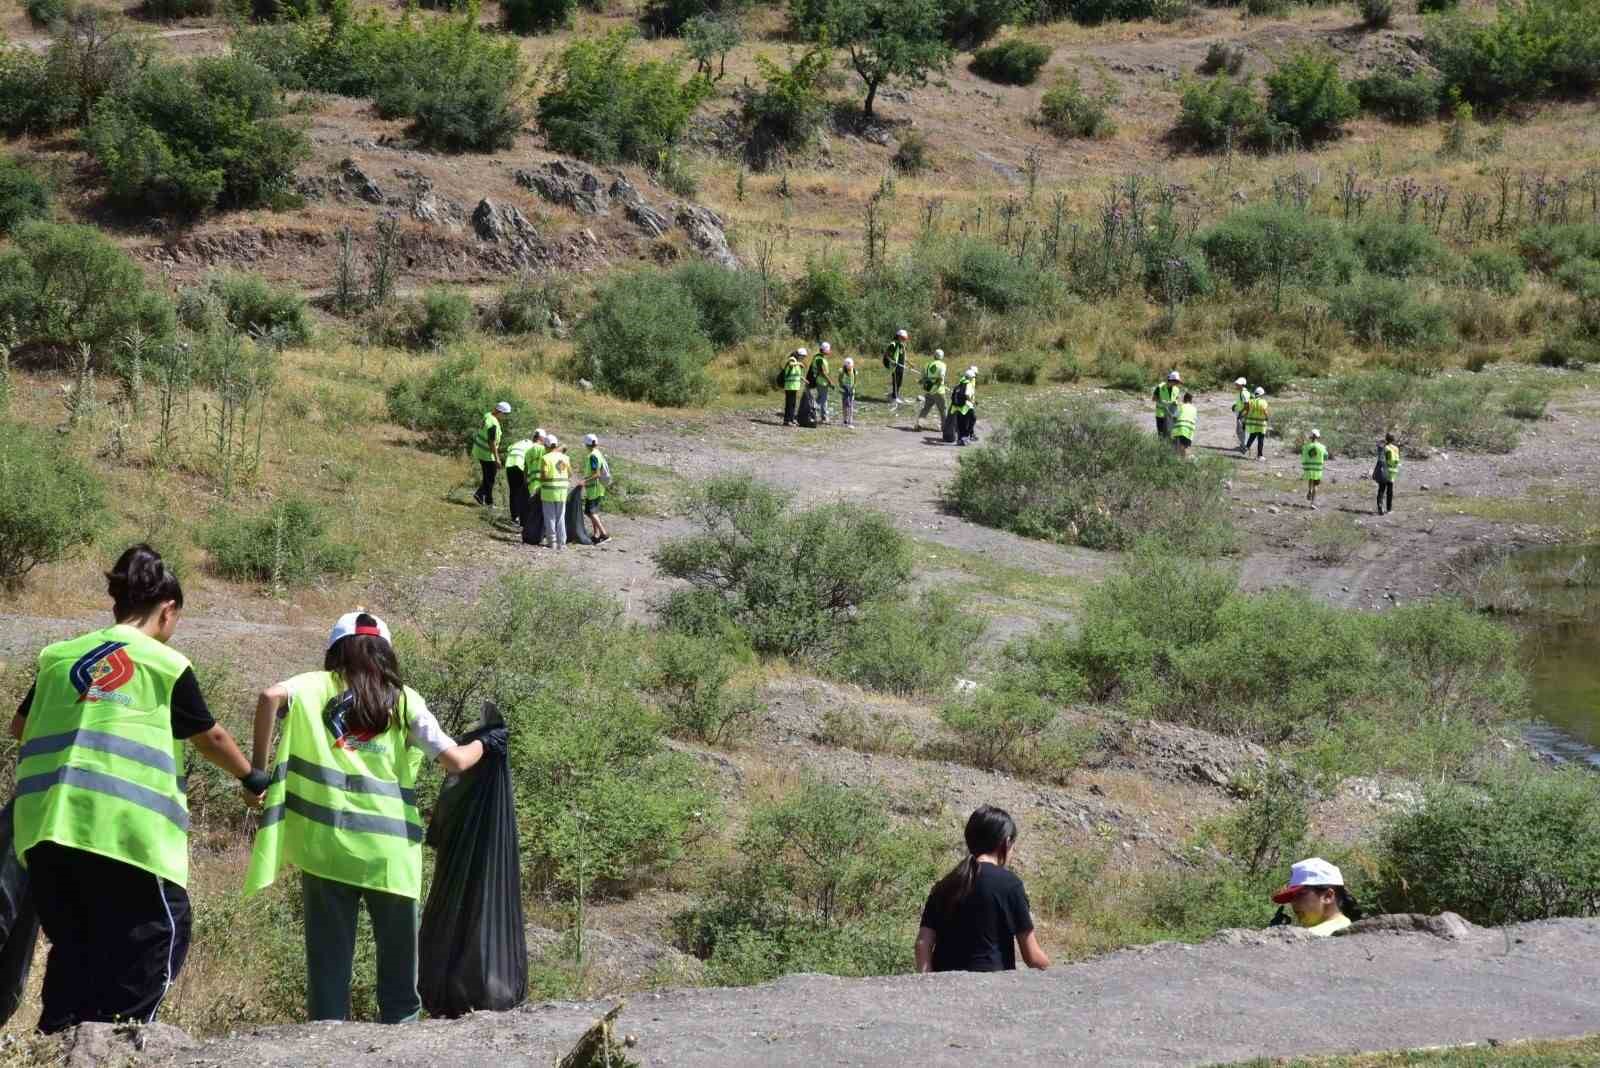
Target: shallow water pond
1563,644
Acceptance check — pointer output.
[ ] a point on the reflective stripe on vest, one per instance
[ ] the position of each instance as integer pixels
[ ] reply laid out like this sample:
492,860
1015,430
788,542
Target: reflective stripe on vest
1391,460
971,385
98,769
555,476
517,453
593,488
1255,416
794,376
1312,457
341,810
1166,395
488,435
935,374
1183,425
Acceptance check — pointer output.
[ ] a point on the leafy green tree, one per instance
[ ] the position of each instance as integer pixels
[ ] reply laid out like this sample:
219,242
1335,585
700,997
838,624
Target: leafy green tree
886,40
50,504
604,107
644,341
24,196
708,37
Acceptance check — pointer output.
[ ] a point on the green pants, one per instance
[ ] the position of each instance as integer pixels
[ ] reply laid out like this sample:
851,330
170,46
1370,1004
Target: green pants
332,911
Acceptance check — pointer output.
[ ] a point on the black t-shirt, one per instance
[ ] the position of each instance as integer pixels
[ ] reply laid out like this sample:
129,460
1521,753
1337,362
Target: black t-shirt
190,716
981,934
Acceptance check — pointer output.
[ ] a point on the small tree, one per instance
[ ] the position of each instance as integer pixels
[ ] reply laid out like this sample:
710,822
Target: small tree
50,504
708,37
643,341
602,106
886,40
1306,94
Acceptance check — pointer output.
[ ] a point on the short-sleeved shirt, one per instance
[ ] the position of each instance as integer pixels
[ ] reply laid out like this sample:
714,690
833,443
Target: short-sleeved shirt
981,934
422,728
190,716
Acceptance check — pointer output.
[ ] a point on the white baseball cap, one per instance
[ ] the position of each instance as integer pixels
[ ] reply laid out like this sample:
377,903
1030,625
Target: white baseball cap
1311,872
801,351
901,333
503,408
972,372
1260,392
590,439
551,439
539,434
1240,382
825,347
938,354
349,624
848,362
1316,433
1172,376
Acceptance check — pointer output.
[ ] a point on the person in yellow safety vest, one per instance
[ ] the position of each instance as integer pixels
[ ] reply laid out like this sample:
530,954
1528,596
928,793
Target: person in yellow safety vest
933,387
342,808
1387,473
962,404
597,475
894,361
1313,455
817,378
517,477
1256,415
1240,403
1166,396
555,478
1183,426
794,380
1317,895
102,819
847,390
486,450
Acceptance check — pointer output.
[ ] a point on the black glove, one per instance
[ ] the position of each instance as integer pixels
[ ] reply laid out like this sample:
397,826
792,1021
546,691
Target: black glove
494,739
257,781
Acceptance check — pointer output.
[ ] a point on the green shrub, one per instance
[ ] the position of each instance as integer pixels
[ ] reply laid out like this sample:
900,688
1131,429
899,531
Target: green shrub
643,341
29,103
1219,111
46,12
446,406
1395,94
1530,49
1068,110
822,299
1495,269
249,304
1551,246
971,23
789,578
601,106
1014,61
1434,7
1386,311
1523,845
432,321
64,286
1086,476
1277,245
1260,365
93,56
1451,411
1306,94
530,307
1223,57
461,90
1375,14
1397,249
50,504
998,729
690,677
187,138
909,649
286,545
791,105
911,153
1569,351
24,196
1023,368
1095,12
1527,403
983,274
728,300
823,883
537,16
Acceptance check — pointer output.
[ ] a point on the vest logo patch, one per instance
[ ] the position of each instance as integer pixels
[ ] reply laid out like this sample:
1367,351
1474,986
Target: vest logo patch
345,736
102,671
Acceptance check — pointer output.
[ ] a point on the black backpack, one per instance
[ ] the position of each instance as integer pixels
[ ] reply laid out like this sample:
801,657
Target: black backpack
958,399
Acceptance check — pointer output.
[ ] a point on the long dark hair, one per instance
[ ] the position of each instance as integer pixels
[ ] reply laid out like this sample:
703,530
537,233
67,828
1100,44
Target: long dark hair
1347,903
139,583
368,667
989,830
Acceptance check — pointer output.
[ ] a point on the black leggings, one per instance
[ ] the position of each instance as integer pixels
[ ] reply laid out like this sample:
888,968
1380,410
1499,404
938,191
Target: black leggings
1258,439
486,490
1386,493
791,405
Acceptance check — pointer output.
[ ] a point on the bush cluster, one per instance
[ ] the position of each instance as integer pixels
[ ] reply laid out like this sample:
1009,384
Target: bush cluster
690,675
1014,61
1397,95
1307,101
601,105
864,308
249,304
1272,244
446,406
436,319
1086,476
1387,311
1219,111
1530,49
789,108
286,545
91,56
1069,110
24,196
50,504
909,649
643,340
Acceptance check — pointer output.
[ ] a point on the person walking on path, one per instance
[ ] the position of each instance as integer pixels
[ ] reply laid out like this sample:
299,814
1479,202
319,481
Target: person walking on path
894,361
597,476
342,808
817,378
486,450
101,818
847,390
1387,473
1167,395
933,387
517,477
963,404
555,479
1316,893
794,380
977,917
1256,417
1183,421
1240,403
1313,455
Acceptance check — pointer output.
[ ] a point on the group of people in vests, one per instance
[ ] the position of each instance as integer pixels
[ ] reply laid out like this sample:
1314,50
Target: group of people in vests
1176,417
807,380
101,815
540,463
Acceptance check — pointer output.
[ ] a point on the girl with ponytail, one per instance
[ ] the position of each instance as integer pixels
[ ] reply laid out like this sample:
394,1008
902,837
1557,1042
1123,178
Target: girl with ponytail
977,916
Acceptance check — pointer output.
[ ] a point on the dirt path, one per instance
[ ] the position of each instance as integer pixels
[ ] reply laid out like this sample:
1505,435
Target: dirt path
1250,995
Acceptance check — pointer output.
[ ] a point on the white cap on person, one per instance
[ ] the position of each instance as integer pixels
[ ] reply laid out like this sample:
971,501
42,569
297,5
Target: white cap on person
539,434
350,625
825,347
503,408
972,372
1316,433
590,439
1313,871
901,334
1240,382
1173,376
1260,392
938,354
848,362
801,351
551,440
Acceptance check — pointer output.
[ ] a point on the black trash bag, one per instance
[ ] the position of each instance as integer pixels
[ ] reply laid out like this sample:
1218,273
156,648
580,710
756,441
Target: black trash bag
808,409
577,529
472,947
947,428
19,922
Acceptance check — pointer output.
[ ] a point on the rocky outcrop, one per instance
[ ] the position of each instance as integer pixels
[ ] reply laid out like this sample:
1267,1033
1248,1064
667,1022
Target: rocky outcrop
1184,754
506,226
619,961
1446,925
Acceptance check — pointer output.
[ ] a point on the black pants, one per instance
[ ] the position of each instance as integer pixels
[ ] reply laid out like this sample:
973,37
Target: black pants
896,373
966,424
1258,439
517,483
1161,426
118,937
1386,494
791,405
485,494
